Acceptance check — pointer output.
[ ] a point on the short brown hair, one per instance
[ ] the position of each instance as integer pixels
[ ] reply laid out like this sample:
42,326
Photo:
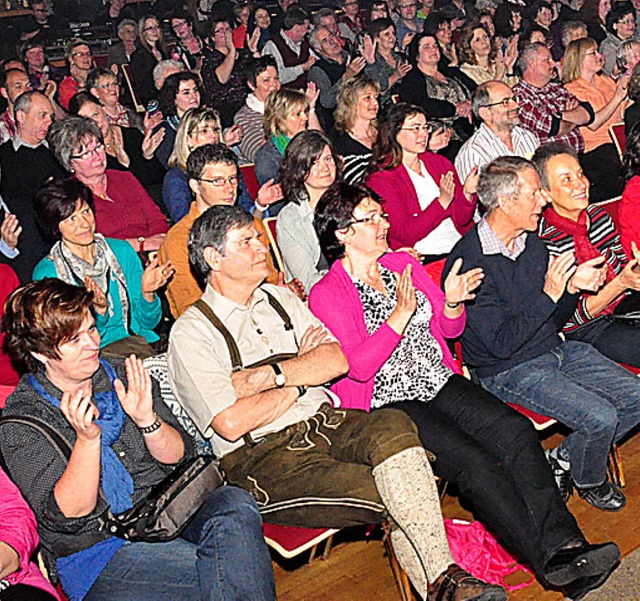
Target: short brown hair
41,316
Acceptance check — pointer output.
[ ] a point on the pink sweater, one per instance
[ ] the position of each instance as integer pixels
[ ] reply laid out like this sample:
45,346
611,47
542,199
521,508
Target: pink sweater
409,223
336,302
19,530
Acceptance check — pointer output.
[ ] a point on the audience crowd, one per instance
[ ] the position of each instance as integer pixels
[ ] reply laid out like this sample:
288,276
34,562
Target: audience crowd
273,233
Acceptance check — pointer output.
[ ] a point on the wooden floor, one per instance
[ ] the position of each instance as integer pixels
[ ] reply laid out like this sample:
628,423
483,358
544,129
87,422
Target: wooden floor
358,570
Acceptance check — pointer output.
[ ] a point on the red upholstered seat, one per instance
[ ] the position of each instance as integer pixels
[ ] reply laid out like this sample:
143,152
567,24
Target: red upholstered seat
290,541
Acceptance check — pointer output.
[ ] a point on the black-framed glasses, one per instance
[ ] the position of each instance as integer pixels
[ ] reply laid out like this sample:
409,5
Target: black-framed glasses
504,102
375,219
88,153
221,181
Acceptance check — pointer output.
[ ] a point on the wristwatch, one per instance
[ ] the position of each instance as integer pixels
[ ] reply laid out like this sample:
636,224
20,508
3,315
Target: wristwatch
281,380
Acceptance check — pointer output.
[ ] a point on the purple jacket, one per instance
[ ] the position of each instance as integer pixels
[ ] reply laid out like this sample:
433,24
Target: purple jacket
336,302
19,530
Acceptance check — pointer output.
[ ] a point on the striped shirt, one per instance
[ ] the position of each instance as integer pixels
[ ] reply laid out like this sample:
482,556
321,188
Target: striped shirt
356,157
603,235
484,146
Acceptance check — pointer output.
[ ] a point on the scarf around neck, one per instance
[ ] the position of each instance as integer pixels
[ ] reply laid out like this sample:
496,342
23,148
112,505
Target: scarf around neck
254,104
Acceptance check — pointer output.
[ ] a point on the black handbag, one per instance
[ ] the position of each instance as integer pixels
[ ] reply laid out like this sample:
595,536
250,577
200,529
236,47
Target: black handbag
166,511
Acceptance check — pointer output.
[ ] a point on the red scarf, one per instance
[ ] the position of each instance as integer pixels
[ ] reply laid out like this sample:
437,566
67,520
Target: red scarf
583,247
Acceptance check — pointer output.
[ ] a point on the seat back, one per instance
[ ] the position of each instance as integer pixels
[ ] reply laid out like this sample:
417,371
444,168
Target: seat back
250,180
270,226
619,137
128,77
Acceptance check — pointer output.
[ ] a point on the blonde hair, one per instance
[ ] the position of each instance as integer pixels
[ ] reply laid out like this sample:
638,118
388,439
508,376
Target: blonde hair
573,57
190,122
347,98
278,106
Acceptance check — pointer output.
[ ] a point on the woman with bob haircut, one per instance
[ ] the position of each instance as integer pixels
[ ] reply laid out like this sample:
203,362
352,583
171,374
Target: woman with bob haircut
392,324
197,127
124,442
621,25
429,207
123,208
125,298
309,167
287,112
582,76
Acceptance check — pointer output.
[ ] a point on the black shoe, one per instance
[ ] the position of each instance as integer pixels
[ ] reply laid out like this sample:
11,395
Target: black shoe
561,475
578,563
606,496
579,588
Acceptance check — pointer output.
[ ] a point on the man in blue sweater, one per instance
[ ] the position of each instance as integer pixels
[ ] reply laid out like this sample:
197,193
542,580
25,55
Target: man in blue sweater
512,339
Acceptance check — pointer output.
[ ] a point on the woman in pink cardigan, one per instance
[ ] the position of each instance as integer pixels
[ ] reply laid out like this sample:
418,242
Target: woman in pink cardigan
430,209
20,578
392,322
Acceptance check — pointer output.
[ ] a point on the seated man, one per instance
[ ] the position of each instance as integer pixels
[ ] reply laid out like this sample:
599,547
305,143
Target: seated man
512,340
213,178
571,224
273,424
13,82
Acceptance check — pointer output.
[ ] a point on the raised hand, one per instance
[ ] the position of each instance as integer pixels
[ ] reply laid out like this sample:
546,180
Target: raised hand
312,93
233,135
354,66
156,275
253,39
368,49
151,142
458,287
559,271
269,193
447,189
80,412
471,183
100,302
136,399
10,230
150,122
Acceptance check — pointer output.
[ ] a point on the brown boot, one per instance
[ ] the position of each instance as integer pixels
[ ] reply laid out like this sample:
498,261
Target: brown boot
455,584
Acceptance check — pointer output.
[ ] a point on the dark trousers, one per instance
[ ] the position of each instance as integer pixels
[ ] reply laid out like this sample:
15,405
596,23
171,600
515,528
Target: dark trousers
317,473
616,339
22,592
493,455
603,169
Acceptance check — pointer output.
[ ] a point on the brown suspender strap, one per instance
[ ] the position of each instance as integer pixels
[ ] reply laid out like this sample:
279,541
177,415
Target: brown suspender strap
207,311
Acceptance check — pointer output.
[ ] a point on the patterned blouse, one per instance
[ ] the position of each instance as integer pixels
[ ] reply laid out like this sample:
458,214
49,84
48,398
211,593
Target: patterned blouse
415,370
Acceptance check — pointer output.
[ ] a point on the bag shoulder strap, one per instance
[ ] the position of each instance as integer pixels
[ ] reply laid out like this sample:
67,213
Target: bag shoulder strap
57,440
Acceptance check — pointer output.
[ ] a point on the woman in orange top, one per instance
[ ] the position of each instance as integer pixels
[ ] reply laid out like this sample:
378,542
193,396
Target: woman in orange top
582,76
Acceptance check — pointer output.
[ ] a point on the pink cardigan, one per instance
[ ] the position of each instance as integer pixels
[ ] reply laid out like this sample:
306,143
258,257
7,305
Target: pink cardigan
409,223
19,530
336,302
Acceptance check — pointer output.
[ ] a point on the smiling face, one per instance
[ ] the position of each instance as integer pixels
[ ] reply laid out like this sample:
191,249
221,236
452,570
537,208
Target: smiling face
78,357
544,18
480,42
568,186
266,82
206,133
444,33
187,97
322,173
77,230
107,90
296,120
367,104
328,41
524,209
407,9
387,38
367,236
97,113
182,28
502,117
263,19
428,51
625,28
413,136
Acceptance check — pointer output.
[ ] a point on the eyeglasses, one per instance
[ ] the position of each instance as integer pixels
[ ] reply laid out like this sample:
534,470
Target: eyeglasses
416,129
224,30
221,181
98,148
178,24
152,28
410,5
85,53
504,102
375,219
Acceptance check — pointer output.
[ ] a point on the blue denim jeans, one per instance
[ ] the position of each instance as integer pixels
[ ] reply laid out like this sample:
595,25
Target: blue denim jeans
590,394
221,556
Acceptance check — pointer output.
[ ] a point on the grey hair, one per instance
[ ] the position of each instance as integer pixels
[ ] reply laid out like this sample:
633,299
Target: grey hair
323,12
568,27
210,230
623,52
480,98
313,40
23,102
160,69
501,178
124,23
67,136
529,52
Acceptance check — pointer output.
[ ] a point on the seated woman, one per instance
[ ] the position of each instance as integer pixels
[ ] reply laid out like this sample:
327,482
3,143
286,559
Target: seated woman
126,304
571,225
286,113
392,323
123,208
355,129
621,26
124,442
481,61
629,208
429,208
21,578
309,167
441,97
126,147
103,84
581,74
190,46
